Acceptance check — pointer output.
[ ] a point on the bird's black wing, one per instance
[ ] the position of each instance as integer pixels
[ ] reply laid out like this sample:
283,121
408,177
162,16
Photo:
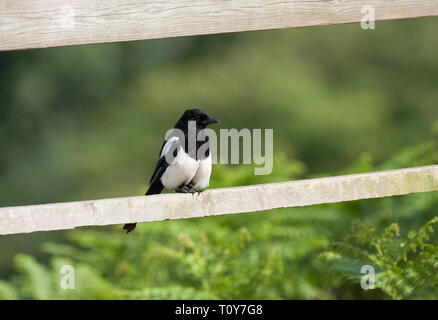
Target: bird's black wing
159,162
155,185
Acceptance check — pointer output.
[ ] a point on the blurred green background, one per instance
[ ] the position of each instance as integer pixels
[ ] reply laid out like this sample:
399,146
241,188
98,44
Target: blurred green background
87,122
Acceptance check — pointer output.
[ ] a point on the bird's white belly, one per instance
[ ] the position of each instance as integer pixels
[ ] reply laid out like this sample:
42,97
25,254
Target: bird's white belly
180,172
202,176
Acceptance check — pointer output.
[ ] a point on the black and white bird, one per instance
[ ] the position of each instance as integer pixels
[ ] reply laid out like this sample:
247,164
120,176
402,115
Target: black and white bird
183,166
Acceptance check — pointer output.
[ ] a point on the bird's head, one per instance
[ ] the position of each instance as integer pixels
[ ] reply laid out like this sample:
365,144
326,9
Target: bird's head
201,118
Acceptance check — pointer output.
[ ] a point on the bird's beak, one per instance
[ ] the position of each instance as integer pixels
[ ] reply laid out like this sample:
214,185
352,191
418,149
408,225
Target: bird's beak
210,121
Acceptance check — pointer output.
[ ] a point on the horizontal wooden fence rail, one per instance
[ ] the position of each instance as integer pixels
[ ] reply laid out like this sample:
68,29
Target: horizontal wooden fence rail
47,23
218,201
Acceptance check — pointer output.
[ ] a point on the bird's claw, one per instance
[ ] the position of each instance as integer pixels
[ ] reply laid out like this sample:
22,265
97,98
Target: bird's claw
181,190
186,189
190,189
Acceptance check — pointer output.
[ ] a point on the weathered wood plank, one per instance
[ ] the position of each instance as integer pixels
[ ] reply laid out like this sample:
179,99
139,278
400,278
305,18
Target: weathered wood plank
47,23
218,201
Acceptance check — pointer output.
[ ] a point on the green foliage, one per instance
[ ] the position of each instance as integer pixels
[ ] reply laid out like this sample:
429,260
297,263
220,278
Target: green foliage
282,254
404,265
7,291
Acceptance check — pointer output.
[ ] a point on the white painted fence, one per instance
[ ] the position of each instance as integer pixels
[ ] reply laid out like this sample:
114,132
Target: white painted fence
47,23
218,201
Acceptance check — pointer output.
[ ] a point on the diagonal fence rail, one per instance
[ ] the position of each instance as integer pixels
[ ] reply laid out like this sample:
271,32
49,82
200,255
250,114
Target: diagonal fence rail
253,198
47,23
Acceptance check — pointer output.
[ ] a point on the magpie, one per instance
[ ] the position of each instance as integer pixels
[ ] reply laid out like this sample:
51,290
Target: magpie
184,162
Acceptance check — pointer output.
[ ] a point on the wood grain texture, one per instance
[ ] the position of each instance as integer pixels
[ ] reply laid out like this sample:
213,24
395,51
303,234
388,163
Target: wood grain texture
47,23
70,215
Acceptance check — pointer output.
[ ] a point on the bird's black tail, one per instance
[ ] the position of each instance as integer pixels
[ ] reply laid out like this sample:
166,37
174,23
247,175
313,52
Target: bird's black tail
155,188
129,227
